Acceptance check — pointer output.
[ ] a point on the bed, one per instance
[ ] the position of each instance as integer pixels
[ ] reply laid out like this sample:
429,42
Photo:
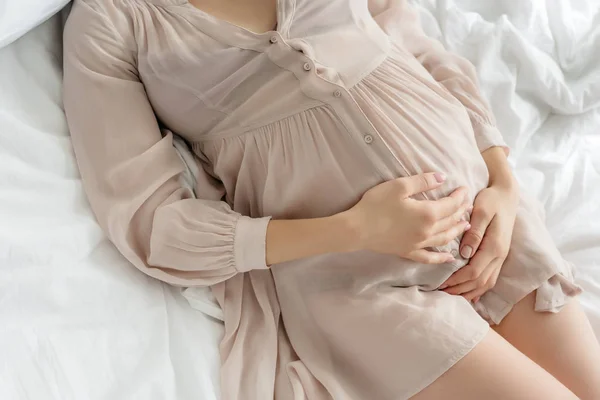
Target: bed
78,322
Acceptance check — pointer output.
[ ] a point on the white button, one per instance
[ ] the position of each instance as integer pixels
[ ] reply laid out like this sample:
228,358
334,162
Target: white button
368,139
273,39
454,253
307,67
337,93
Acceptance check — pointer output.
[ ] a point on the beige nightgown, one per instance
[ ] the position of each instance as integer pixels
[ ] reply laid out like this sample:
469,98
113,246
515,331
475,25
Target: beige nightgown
294,123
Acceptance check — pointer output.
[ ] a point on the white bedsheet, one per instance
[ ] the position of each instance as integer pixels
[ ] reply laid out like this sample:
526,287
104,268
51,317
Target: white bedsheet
538,65
77,322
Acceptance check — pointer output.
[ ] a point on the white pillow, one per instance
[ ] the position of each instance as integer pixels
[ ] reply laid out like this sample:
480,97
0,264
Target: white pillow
18,17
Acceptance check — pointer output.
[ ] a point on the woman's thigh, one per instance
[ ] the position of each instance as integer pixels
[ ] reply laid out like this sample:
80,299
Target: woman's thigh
563,343
495,370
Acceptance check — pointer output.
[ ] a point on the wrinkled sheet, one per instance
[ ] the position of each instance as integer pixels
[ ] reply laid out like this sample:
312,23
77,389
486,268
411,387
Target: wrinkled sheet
17,17
77,322
538,64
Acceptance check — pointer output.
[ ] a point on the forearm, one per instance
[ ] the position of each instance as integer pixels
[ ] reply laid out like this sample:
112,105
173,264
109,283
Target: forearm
499,170
289,240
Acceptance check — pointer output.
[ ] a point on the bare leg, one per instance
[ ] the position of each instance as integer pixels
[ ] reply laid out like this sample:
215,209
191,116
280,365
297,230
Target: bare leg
495,370
563,344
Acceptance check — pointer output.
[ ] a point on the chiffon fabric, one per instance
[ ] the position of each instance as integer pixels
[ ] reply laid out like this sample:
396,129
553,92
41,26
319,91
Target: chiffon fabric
293,123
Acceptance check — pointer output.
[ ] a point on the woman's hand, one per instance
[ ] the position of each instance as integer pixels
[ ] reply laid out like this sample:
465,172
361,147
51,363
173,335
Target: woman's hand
488,241
387,220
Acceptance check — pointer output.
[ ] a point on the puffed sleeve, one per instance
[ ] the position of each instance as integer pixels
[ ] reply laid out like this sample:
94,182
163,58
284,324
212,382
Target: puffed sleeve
131,171
401,21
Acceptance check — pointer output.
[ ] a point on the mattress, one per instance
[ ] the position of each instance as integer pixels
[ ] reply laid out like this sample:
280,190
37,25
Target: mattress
78,322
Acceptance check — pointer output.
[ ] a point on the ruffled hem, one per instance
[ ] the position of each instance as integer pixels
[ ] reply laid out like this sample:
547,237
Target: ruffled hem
551,296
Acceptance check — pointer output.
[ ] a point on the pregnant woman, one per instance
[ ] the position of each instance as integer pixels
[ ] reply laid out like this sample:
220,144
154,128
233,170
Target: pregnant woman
343,156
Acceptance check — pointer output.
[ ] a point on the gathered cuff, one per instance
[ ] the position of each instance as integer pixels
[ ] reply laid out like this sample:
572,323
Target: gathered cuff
487,134
250,242
201,243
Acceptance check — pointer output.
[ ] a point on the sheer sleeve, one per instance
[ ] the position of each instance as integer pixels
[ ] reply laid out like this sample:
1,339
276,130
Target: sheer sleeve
131,171
401,21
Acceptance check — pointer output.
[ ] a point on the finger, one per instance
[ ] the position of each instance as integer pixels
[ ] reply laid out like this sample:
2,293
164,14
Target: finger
474,295
420,183
430,257
489,284
496,274
472,270
451,221
462,288
443,238
448,205
480,220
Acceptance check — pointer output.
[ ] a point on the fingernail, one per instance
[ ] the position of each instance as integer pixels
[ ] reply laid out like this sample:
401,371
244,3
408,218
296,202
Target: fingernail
476,299
466,229
466,251
450,259
443,287
470,209
439,177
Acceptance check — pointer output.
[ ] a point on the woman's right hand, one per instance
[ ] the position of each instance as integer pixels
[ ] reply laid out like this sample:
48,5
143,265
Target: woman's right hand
387,220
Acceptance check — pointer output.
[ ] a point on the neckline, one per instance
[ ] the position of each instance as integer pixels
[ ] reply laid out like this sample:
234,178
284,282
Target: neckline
232,34
232,26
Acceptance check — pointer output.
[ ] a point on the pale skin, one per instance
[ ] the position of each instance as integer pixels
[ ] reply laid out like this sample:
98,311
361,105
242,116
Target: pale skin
529,355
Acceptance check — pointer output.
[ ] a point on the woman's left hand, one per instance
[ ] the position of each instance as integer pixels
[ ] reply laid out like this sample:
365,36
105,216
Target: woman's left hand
487,242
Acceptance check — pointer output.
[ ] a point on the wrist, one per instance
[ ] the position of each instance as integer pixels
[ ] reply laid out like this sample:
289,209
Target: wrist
348,231
506,184
288,240
505,180
500,173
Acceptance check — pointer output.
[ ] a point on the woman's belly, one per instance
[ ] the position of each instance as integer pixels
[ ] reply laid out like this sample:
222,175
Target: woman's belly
424,127
307,166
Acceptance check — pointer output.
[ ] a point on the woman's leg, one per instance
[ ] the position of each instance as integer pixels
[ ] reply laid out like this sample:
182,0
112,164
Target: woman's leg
562,343
495,370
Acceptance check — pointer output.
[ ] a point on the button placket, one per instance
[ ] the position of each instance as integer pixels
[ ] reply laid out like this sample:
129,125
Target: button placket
334,95
346,108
